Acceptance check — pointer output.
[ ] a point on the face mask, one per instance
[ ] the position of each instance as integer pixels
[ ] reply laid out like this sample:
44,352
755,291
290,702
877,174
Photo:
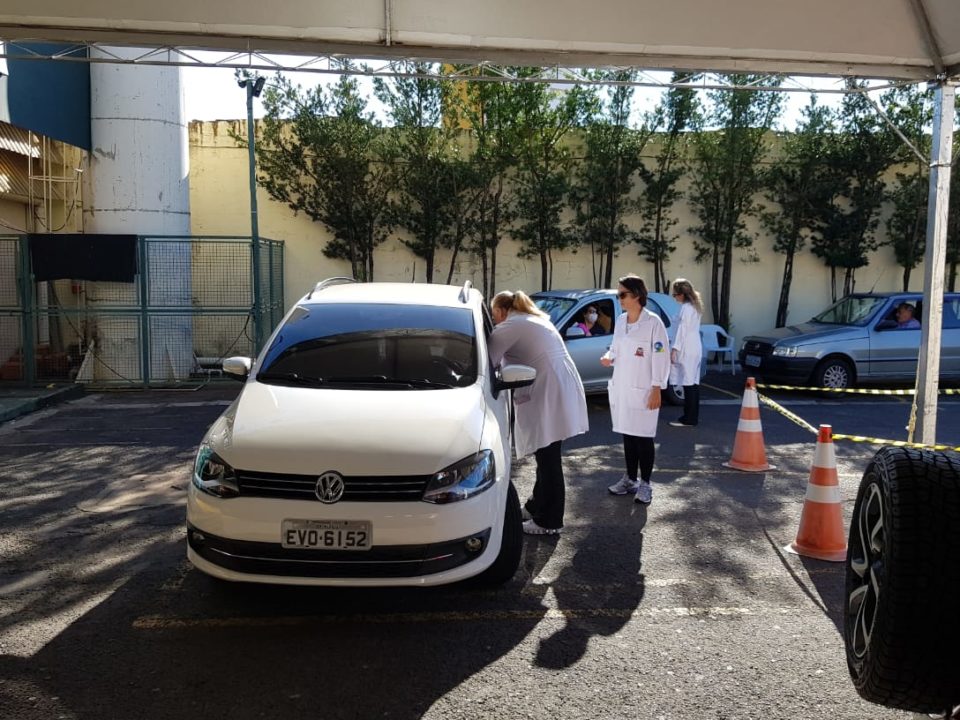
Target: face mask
591,317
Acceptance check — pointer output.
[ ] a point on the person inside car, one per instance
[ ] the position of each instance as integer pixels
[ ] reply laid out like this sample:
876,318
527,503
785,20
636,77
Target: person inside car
906,319
588,322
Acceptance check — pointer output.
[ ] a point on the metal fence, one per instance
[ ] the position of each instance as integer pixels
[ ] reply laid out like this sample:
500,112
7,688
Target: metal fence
194,301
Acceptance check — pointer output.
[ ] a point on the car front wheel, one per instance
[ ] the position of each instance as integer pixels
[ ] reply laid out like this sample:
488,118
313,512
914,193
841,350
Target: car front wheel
511,545
833,373
901,626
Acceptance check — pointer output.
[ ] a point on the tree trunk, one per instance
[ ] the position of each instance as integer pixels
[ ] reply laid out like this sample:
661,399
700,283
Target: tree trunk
833,283
906,278
785,290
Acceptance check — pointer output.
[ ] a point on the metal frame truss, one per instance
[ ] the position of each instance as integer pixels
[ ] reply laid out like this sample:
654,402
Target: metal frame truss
414,67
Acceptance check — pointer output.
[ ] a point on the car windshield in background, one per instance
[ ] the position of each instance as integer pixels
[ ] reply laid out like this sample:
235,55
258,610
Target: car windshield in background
373,345
852,310
555,307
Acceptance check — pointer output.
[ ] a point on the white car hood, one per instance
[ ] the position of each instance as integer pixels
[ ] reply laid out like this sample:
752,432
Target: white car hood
355,432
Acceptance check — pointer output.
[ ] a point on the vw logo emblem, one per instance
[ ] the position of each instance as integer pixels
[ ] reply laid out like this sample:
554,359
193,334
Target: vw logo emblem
330,487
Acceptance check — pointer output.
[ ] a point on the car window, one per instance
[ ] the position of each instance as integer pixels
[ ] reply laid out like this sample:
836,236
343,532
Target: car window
603,325
555,307
363,345
951,313
851,310
654,307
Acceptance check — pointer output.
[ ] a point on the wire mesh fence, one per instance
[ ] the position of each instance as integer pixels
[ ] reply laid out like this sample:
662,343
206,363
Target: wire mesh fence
191,304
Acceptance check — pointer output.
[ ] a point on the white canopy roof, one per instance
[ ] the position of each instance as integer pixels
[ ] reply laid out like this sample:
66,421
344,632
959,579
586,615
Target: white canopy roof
901,39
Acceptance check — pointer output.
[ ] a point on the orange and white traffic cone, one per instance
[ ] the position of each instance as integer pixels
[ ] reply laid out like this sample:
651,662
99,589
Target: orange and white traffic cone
821,534
748,451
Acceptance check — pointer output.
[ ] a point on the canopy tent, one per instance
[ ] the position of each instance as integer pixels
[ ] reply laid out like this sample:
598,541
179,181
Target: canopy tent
913,40
908,39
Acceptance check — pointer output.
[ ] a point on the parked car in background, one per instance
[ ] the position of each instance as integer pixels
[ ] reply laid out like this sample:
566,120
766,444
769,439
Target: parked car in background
370,445
566,309
855,340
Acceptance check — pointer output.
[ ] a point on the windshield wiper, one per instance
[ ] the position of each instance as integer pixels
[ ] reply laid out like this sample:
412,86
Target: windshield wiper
422,383
291,377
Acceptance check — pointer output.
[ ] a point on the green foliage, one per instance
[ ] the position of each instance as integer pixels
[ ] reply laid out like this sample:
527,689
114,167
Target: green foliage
865,147
801,183
601,191
489,110
910,109
429,178
726,176
543,119
670,120
321,152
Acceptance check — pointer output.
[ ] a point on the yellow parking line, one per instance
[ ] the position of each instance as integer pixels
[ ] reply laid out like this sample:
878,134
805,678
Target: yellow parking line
157,622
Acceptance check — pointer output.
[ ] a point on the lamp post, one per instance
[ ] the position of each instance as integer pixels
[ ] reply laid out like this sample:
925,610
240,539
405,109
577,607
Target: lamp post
254,85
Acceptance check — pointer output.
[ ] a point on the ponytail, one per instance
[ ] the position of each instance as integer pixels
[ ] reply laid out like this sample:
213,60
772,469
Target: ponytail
517,301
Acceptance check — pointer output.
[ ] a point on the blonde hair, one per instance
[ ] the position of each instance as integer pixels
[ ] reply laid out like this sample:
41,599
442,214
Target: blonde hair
682,286
518,301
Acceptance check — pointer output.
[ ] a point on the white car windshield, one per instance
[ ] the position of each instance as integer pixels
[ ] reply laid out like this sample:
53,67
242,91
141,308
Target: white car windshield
374,345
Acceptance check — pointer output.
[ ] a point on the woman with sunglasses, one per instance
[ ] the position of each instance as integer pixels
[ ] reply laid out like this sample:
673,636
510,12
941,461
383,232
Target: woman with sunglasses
640,356
551,410
687,352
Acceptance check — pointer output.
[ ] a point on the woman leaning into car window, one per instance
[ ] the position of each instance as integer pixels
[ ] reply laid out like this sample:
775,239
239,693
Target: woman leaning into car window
551,410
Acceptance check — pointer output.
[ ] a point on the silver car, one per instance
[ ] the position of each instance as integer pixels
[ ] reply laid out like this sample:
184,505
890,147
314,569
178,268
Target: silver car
566,309
858,339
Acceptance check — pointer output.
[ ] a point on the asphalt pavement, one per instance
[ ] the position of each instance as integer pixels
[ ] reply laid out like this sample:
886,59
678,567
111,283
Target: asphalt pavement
688,608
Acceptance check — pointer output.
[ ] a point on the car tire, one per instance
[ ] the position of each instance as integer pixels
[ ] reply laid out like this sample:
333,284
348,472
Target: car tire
674,395
833,373
901,623
511,545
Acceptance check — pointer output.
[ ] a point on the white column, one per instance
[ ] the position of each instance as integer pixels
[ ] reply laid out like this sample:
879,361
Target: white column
138,184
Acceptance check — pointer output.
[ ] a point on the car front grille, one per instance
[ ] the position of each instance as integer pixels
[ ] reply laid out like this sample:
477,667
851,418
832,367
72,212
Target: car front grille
363,488
757,348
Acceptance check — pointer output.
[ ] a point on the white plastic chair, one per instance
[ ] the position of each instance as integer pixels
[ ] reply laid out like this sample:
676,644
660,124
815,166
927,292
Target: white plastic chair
711,336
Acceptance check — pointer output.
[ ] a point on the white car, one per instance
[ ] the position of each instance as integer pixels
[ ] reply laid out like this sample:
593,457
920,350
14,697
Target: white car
370,446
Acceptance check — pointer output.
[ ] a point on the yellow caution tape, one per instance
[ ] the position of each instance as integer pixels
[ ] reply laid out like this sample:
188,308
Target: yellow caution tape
851,438
853,391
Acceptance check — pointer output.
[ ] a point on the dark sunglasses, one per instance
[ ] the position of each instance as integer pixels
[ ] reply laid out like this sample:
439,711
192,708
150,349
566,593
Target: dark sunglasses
625,293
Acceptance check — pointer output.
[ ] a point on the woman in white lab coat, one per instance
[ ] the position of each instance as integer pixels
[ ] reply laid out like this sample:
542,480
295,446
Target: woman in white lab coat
551,410
687,352
640,355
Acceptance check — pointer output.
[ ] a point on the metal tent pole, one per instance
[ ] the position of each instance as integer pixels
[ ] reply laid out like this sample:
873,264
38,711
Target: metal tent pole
928,369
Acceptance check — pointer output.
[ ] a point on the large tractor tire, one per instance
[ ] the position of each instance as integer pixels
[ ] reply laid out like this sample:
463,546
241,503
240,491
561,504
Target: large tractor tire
902,614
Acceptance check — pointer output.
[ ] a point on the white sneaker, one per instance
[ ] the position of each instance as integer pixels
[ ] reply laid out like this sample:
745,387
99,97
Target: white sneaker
644,492
624,486
531,528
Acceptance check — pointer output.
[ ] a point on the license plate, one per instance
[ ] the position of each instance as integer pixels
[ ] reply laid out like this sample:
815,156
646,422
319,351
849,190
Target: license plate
752,360
327,534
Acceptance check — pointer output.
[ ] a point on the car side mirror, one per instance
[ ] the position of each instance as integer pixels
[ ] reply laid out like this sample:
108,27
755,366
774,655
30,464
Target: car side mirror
575,331
514,376
237,367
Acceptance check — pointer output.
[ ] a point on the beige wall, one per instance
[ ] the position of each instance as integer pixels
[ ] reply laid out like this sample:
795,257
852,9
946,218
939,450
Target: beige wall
219,201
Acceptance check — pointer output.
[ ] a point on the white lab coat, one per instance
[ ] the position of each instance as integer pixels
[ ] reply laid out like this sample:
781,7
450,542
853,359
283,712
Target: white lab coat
641,360
554,407
686,371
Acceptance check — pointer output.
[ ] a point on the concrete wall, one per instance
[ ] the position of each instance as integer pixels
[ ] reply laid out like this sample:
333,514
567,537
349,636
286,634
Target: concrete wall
219,201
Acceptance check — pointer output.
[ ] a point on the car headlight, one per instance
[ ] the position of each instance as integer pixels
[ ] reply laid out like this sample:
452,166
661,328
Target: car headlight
212,475
462,480
785,351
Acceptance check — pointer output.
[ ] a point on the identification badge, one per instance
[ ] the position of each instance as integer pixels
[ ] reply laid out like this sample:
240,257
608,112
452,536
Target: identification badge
639,352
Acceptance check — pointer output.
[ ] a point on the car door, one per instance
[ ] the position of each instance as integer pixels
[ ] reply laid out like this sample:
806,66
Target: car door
894,350
586,350
950,341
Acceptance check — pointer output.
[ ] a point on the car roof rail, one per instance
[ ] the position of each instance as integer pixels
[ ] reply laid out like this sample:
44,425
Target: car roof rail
465,291
328,282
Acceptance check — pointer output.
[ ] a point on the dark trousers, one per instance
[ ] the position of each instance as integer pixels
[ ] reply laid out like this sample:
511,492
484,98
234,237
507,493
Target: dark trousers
639,454
691,405
546,504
